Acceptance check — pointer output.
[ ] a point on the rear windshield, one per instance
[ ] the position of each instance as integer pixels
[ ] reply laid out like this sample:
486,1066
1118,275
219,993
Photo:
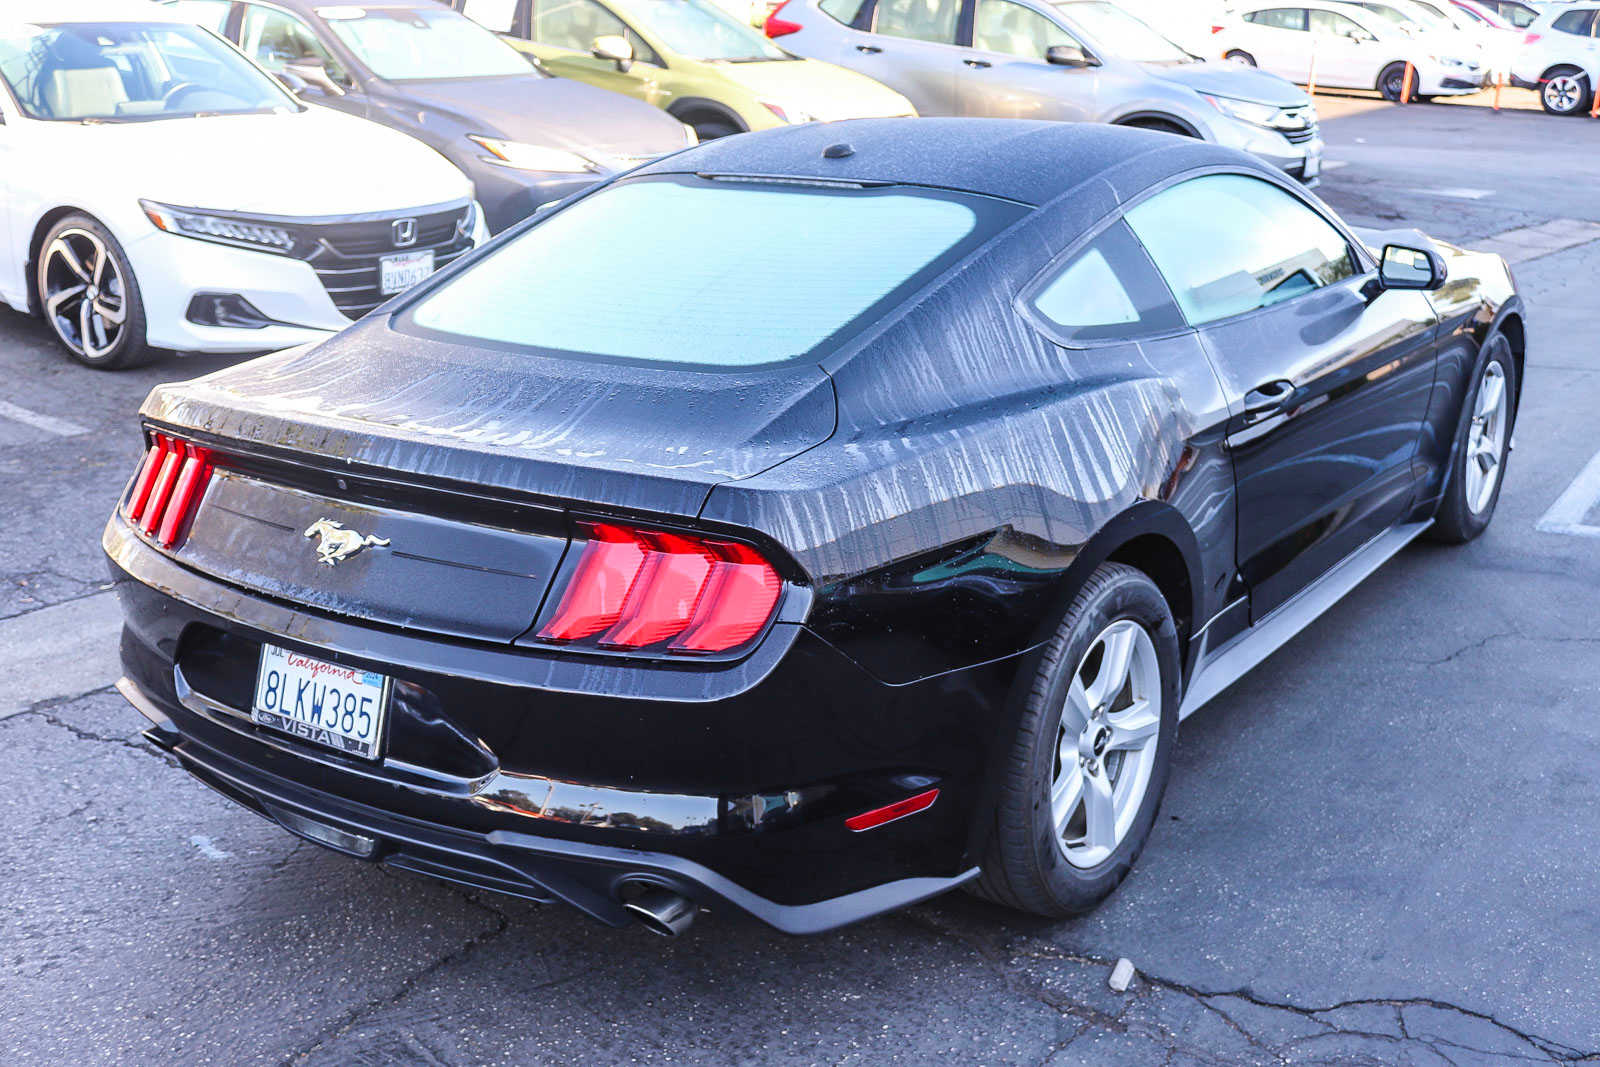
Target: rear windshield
727,273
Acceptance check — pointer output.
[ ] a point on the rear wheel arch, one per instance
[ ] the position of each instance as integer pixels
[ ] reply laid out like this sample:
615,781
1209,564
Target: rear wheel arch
697,111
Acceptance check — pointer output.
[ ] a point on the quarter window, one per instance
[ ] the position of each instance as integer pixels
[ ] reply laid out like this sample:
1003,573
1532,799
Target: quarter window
1580,23
1228,244
1108,289
844,11
1002,26
1279,18
918,20
1333,24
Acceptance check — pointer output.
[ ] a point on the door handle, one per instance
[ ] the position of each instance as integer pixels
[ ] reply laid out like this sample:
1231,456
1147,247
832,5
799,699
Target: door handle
976,64
1267,399
868,49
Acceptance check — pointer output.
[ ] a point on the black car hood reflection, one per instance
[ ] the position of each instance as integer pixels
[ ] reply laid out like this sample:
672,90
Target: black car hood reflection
557,112
652,438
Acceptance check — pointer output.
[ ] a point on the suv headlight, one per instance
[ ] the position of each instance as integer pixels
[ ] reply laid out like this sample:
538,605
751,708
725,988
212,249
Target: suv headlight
223,229
1245,110
531,156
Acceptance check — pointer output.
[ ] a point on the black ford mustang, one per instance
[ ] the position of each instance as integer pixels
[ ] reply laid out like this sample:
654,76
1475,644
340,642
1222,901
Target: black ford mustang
812,521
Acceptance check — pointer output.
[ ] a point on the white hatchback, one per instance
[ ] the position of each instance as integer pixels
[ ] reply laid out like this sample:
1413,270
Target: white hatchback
1560,58
1345,46
157,189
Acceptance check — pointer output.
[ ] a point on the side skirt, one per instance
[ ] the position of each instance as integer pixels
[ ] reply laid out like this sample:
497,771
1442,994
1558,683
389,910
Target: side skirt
1233,660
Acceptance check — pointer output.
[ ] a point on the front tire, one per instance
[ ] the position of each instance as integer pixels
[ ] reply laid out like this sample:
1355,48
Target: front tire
1565,91
1239,55
1083,782
1482,446
1392,82
89,296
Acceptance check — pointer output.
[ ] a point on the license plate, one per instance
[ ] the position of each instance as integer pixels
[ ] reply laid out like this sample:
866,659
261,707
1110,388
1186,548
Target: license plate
1313,167
337,707
400,272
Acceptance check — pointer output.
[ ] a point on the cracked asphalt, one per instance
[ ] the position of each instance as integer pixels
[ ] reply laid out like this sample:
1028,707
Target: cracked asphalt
1379,848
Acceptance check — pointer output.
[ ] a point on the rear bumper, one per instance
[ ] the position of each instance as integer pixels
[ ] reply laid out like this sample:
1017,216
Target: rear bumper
506,774
590,877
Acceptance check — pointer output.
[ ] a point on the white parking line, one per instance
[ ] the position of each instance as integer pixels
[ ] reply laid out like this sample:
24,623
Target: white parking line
47,423
59,651
1459,194
1566,515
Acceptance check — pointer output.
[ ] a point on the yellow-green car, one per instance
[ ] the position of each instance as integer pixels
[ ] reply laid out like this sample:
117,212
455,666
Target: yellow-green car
689,57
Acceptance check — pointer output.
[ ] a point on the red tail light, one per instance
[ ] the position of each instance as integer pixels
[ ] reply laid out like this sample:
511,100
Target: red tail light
1217,29
636,588
168,488
777,27
1532,38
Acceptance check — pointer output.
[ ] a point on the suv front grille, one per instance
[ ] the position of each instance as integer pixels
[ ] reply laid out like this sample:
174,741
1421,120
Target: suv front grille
1300,136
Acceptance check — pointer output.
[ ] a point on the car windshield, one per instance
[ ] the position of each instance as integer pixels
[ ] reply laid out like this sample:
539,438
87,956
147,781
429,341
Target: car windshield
1120,34
130,72
407,44
701,30
666,270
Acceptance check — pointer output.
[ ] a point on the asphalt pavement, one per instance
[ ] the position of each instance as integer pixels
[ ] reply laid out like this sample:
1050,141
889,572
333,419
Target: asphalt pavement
1380,847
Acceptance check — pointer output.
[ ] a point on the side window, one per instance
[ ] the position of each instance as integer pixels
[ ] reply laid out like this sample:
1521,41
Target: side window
844,11
1107,289
1580,23
918,20
212,14
1333,24
276,39
1279,18
574,24
497,15
1519,15
1228,244
1002,26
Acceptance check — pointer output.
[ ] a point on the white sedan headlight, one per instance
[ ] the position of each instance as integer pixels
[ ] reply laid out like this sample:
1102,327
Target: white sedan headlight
241,232
532,156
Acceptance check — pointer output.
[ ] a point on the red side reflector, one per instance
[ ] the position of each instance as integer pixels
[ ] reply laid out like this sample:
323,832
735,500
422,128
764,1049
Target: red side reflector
867,820
1532,38
1217,29
611,561
776,27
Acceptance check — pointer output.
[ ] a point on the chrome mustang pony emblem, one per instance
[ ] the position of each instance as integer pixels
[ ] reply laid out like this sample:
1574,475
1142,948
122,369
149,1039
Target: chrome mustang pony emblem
337,543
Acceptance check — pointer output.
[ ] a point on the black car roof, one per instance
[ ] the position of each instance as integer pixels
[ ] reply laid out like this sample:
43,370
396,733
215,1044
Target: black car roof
1027,160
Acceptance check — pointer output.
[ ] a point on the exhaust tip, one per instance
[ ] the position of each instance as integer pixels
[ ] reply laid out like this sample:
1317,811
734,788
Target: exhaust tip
661,911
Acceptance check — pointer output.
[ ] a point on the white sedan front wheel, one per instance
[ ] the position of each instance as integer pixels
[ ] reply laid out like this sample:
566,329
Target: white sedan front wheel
89,296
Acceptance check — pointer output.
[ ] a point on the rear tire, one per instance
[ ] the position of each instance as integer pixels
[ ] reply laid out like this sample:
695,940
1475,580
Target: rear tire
1083,781
1238,55
1482,447
711,129
1565,91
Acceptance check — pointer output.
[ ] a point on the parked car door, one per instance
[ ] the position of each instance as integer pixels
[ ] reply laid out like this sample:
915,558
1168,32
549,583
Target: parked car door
911,47
1329,387
1005,75
278,39
1344,54
1276,38
565,31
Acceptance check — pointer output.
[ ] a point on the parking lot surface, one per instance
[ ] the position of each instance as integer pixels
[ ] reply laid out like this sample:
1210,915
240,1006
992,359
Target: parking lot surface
1378,847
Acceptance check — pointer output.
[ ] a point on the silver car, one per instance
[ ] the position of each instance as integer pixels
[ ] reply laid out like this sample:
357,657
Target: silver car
1072,60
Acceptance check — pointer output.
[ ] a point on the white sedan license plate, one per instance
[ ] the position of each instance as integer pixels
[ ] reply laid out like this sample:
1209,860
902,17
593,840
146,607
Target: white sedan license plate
341,708
1313,167
400,272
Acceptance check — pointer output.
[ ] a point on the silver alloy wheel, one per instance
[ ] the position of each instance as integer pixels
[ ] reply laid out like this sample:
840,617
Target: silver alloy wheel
1486,438
1106,746
85,297
1563,93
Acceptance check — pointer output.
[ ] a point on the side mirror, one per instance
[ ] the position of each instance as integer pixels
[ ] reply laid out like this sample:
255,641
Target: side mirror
615,48
313,75
1404,267
1068,55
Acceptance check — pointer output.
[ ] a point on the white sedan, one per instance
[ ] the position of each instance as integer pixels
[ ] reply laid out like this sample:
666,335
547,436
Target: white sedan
157,189
1345,46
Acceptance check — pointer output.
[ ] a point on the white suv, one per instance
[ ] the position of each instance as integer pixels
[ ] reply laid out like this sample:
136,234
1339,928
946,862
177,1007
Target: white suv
157,189
1560,58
